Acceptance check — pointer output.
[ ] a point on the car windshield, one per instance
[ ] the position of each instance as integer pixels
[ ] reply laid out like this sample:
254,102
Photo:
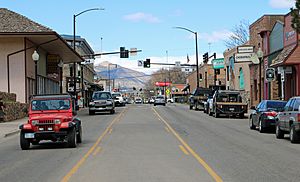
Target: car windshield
55,104
101,96
159,97
275,105
116,95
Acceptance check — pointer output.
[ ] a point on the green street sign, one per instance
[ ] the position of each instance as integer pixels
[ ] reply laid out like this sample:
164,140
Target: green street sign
218,63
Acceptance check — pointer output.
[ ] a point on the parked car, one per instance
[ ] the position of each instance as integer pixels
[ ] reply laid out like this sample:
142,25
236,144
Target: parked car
102,101
51,117
159,100
138,100
264,114
198,98
288,121
118,98
151,100
228,102
170,100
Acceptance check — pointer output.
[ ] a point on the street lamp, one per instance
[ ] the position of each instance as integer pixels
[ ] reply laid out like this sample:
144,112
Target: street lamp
74,47
260,55
196,38
60,65
35,58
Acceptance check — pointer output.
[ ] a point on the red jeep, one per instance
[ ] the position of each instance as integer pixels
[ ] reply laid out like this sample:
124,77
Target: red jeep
51,117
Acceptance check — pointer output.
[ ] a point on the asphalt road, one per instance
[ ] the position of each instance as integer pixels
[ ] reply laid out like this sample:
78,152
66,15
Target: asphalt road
145,143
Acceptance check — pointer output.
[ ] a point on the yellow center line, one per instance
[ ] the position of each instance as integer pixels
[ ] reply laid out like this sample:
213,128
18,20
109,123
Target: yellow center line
184,150
97,151
212,173
167,129
82,160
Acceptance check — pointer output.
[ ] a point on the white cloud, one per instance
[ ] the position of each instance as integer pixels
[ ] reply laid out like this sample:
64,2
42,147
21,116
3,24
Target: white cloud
139,16
282,3
215,36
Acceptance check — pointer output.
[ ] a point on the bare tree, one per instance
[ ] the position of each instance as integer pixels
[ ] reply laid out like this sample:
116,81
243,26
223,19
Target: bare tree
240,35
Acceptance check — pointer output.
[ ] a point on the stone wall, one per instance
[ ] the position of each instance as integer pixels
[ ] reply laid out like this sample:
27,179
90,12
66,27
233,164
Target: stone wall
12,110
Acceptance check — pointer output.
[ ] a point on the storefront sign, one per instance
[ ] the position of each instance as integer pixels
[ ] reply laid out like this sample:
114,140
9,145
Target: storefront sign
218,63
243,57
245,49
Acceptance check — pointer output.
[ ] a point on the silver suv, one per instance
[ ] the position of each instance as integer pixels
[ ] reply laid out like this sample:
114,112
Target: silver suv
160,100
101,102
288,121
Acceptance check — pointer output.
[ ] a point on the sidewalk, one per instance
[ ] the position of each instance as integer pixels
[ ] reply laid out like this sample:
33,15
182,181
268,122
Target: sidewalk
11,127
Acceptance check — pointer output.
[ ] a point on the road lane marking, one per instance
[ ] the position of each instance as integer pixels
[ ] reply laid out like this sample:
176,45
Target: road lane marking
67,177
167,129
97,151
212,173
184,150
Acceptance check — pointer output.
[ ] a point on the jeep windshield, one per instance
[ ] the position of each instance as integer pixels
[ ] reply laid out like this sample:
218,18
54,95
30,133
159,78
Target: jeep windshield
101,96
226,97
52,104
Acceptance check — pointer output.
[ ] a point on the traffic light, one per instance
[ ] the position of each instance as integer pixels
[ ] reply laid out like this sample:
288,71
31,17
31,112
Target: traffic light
215,56
147,63
124,53
205,57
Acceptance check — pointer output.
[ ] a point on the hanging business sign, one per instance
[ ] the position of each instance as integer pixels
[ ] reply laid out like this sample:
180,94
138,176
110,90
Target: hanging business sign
243,57
245,49
218,63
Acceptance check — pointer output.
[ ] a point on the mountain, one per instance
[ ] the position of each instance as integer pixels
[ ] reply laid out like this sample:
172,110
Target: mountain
125,78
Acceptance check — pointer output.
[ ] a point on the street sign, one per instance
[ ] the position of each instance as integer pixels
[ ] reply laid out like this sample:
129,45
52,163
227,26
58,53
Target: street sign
167,91
245,49
140,63
218,63
270,74
133,51
243,57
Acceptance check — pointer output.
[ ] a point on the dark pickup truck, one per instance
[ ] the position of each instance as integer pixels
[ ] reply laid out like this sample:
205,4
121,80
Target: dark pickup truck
199,97
228,102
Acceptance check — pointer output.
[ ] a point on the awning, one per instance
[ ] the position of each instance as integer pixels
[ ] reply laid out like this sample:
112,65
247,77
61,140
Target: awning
283,55
186,88
50,42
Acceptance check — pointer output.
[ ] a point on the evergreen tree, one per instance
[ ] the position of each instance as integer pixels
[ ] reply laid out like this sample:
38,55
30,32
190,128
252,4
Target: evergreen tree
296,17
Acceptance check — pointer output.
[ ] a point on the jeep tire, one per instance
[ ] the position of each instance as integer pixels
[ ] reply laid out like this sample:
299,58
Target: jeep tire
72,138
79,135
294,136
24,143
279,133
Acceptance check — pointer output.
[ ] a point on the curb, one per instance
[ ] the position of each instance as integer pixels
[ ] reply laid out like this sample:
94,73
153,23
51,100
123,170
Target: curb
11,133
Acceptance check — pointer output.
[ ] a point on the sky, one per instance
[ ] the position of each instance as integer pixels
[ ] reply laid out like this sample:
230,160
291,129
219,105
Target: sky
148,25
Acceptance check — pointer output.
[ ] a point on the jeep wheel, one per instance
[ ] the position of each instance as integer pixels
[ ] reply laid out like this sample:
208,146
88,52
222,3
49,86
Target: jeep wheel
72,138
91,112
251,125
279,133
79,135
24,143
294,137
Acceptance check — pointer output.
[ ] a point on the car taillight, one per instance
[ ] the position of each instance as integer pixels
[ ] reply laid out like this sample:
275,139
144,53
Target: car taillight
298,115
271,113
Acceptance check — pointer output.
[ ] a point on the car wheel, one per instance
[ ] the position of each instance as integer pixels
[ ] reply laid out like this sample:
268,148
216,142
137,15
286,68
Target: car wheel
112,111
294,137
191,107
72,138
242,116
251,125
209,112
164,104
91,112
79,135
279,133
216,114
261,129
24,143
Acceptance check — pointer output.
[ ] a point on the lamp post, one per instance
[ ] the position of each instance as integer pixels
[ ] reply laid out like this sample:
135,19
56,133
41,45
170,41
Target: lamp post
74,45
35,58
196,41
60,65
260,56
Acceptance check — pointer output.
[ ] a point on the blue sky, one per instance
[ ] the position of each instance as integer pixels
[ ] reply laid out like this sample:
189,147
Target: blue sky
147,25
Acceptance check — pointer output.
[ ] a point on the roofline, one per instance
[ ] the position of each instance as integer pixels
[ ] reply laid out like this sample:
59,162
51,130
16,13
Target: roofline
259,19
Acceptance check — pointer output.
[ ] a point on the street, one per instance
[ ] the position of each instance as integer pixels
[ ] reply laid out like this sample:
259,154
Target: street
145,143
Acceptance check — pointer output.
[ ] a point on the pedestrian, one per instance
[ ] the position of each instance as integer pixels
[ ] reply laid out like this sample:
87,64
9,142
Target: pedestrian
1,110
